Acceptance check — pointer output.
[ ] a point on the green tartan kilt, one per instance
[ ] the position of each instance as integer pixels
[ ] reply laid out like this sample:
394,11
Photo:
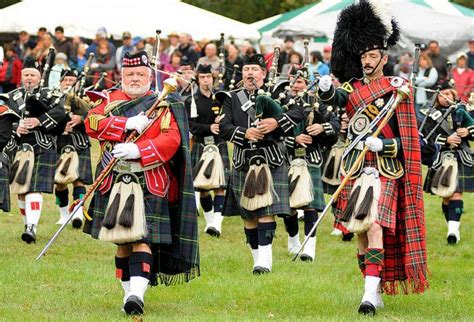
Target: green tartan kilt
280,206
157,215
318,202
43,171
387,202
197,150
465,179
4,188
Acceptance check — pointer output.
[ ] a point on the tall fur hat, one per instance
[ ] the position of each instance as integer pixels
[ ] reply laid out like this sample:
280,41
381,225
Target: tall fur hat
361,27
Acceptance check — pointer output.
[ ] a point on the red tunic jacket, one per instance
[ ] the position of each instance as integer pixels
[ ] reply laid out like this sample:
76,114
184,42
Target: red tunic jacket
155,145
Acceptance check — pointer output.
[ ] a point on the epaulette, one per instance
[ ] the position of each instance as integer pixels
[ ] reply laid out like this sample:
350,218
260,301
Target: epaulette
347,87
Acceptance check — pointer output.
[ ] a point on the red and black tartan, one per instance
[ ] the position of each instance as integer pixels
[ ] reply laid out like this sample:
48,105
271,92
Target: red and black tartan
404,240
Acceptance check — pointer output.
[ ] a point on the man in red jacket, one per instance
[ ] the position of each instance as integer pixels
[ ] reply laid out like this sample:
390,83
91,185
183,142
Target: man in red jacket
10,73
140,205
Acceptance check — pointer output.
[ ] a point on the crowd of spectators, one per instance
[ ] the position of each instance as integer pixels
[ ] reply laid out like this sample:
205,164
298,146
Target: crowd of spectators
179,53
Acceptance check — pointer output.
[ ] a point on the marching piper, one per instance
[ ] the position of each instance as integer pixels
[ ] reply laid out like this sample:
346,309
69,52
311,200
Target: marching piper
146,204
318,130
450,127
73,147
258,183
209,154
383,200
32,170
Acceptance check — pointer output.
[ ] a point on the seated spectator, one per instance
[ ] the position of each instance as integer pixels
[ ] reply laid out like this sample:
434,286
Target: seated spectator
100,35
173,39
404,66
186,47
103,62
294,58
81,58
173,66
60,63
10,70
317,65
210,57
426,79
463,78
24,45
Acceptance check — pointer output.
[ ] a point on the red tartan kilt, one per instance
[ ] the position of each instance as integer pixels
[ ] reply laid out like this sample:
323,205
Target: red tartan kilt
387,204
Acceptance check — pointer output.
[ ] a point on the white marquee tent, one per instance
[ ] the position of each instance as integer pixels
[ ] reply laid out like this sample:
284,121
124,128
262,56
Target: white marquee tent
141,18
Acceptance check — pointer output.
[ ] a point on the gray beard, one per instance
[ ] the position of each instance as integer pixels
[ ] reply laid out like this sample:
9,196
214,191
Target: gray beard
135,91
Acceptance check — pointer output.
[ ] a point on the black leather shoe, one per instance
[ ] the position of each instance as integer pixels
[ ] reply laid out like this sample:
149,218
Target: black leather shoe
306,258
29,235
133,306
367,308
259,270
452,240
347,237
213,232
77,223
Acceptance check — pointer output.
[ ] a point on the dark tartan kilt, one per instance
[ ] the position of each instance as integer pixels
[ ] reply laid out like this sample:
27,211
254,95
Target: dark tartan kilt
43,171
85,167
280,206
465,179
156,212
197,150
4,188
318,202
387,203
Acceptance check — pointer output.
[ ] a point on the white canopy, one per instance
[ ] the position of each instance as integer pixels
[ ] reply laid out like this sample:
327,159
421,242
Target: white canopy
141,18
420,21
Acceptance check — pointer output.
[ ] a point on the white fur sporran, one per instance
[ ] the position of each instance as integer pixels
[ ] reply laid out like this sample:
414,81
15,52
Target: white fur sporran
21,170
209,173
301,185
445,181
125,202
67,169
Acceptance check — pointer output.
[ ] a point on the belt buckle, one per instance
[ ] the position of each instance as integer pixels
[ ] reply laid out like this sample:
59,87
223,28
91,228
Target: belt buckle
123,166
300,152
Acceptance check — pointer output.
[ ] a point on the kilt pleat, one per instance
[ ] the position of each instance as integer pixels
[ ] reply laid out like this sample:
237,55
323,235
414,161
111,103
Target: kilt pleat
318,202
42,179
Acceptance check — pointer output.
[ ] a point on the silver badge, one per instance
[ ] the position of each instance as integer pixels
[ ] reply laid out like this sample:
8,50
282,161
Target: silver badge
396,82
379,102
359,123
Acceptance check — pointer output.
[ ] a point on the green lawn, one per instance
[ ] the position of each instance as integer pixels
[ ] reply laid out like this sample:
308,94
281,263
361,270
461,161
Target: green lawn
75,281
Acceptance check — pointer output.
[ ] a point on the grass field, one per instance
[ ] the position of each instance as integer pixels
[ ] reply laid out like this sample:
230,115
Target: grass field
75,281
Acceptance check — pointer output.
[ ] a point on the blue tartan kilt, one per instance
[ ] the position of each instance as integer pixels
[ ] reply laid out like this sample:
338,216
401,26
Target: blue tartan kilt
157,215
196,153
281,203
43,171
4,188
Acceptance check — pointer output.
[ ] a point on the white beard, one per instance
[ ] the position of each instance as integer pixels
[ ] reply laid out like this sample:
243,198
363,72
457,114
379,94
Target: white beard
135,91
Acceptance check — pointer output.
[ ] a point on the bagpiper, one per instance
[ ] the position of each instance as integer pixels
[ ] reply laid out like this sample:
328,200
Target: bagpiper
318,131
449,127
209,153
73,147
258,183
383,200
7,118
32,170
146,204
